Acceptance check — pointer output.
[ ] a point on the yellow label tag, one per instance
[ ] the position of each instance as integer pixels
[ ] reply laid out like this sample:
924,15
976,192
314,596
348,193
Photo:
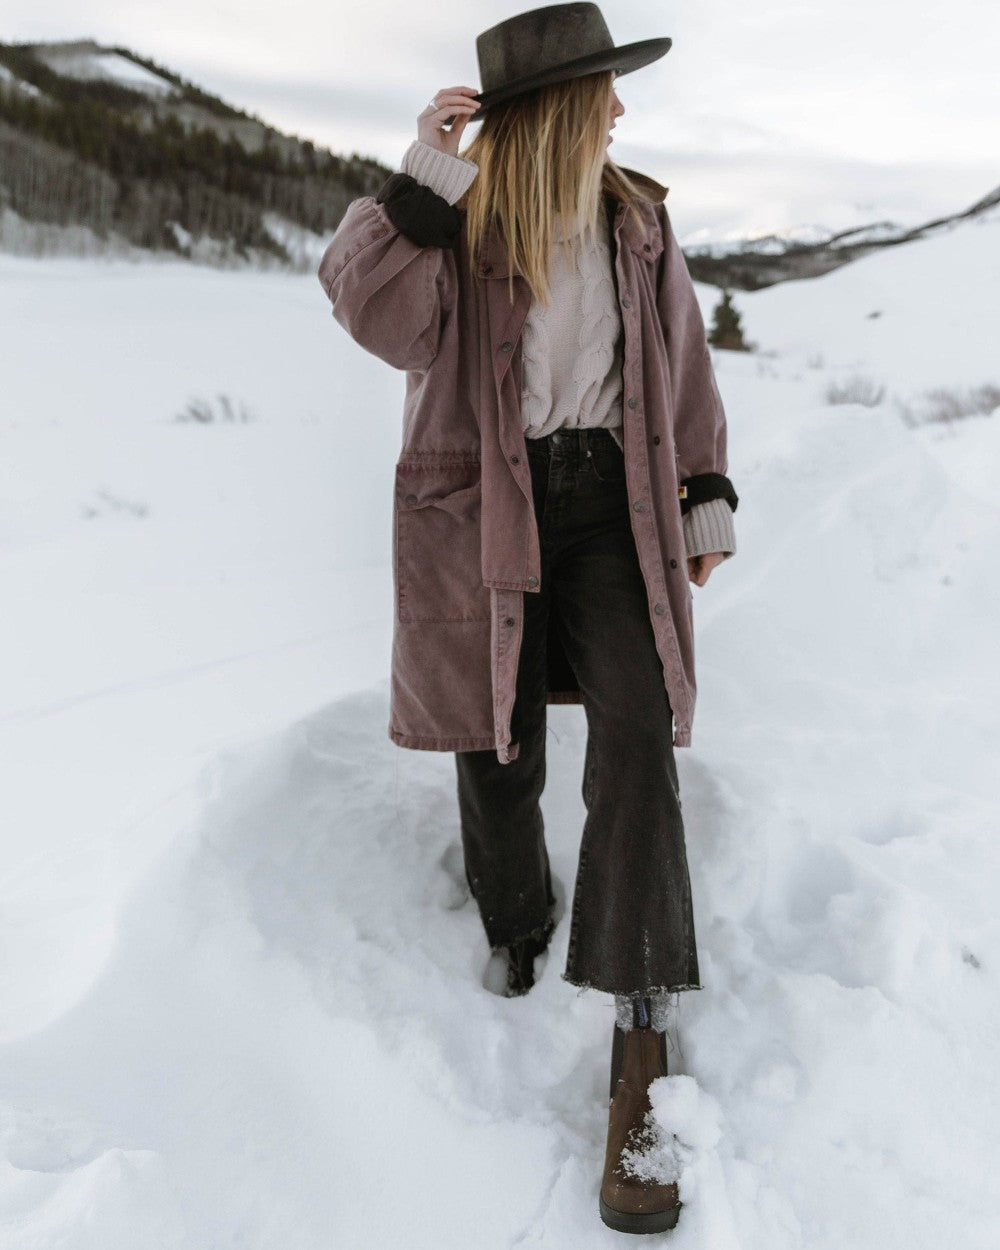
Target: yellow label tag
682,492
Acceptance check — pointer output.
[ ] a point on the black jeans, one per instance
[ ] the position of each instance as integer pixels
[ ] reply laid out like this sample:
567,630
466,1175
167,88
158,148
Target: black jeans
632,927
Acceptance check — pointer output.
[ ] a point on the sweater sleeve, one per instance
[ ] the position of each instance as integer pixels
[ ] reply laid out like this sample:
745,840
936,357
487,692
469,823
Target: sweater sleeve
447,176
709,527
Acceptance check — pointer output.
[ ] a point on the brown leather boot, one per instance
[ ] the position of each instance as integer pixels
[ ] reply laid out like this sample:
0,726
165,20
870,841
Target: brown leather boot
633,1198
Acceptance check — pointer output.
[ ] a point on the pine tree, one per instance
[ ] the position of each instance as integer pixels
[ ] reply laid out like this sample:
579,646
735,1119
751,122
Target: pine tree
727,329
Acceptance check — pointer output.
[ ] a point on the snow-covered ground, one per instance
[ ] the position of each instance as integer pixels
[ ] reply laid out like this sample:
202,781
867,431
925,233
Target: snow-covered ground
241,983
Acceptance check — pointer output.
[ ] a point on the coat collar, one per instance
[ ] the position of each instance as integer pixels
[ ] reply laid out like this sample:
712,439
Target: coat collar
640,233
652,189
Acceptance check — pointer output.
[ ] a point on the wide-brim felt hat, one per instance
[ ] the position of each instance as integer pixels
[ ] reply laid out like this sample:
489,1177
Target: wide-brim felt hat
550,45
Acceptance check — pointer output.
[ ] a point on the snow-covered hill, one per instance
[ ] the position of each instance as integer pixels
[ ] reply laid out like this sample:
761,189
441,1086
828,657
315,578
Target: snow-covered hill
88,61
115,155
763,258
241,980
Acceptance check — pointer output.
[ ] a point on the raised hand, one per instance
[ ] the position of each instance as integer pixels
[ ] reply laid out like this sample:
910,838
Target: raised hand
453,105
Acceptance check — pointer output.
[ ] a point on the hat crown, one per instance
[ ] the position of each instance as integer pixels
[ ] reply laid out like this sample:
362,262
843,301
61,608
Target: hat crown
539,41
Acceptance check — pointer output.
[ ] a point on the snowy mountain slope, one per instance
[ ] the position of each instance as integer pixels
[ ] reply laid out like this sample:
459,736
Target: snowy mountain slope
116,154
11,81
765,258
86,60
915,316
701,242
242,980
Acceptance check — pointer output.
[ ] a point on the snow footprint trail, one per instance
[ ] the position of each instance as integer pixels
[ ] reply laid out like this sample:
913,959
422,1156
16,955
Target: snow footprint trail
364,889
362,886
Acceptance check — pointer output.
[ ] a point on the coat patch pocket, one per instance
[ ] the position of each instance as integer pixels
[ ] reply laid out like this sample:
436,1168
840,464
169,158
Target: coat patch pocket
438,556
648,247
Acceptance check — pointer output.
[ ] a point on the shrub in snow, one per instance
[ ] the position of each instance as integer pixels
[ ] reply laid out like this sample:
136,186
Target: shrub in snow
110,503
727,329
204,411
943,405
857,389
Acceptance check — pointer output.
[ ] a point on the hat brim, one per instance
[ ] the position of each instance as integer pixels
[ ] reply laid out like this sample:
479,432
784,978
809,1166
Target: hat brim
629,57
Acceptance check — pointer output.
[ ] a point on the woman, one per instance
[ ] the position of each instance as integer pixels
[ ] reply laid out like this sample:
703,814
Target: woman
562,477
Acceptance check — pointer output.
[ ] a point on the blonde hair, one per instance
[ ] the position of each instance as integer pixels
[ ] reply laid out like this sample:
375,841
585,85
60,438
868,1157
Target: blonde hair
543,162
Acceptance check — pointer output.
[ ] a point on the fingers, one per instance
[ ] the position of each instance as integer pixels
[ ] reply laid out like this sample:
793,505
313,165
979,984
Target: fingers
460,91
453,100
451,107
700,567
445,115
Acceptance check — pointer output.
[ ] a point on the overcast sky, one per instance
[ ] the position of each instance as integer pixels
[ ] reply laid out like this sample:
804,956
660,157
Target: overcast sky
791,113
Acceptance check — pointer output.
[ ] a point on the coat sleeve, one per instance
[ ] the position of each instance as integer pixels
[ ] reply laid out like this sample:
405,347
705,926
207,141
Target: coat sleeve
389,271
699,417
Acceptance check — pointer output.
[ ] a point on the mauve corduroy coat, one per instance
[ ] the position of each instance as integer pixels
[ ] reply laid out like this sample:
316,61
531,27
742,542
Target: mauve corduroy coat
465,538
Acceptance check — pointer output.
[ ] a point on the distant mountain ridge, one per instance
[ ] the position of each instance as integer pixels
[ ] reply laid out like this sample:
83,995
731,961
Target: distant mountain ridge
751,264
104,146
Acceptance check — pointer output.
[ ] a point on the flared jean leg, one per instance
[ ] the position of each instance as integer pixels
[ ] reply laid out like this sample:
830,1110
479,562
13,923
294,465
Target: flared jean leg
503,833
632,927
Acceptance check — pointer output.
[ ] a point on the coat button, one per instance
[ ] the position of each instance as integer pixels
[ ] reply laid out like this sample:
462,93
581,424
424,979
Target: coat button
659,608
673,564
411,500
510,621
506,346
639,505
646,247
626,302
656,439
532,581
487,268
633,402
515,459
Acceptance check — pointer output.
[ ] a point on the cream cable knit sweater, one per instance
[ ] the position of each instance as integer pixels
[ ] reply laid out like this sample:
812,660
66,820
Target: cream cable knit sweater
572,350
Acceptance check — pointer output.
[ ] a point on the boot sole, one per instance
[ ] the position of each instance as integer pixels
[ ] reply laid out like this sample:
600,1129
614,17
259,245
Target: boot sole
639,1222
636,1221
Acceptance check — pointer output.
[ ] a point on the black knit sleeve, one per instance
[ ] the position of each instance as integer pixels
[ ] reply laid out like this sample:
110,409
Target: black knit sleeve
702,487
425,217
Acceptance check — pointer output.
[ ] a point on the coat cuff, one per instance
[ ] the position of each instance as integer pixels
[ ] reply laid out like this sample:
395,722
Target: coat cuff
425,217
703,487
448,176
709,527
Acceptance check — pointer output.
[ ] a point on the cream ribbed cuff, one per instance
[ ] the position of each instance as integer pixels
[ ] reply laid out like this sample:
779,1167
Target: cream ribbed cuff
709,527
448,176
